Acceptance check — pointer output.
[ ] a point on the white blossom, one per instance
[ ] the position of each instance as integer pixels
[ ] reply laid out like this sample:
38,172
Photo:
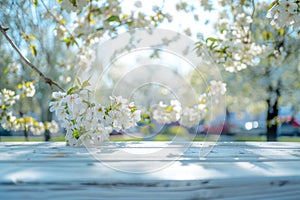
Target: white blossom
52,126
26,89
59,95
37,128
217,88
190,117
166,114
88,122
285,13
77,6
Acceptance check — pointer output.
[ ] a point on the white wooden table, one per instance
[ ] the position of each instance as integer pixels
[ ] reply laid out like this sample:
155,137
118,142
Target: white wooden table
150,170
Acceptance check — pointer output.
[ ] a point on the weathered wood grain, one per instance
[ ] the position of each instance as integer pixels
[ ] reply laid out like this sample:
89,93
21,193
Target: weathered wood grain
150,170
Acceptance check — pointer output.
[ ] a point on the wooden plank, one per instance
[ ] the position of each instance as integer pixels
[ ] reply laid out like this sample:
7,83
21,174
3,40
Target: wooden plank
213,189
139,169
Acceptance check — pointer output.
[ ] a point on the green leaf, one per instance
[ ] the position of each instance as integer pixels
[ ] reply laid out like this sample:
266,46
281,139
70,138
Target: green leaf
88,103
62,21
133,109
70,41
35,3
73,2
213,42
108,108
28,37
100,29
273,4
198,45
86,84
281,31
113,18
130,23
75,42
33,50
5,71
169,109
78,81
79,35
212,39
72,89
76,134
67,41
267,35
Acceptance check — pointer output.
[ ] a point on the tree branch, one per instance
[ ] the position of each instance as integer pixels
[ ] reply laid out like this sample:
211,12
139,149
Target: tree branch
55,19
252,14
48,81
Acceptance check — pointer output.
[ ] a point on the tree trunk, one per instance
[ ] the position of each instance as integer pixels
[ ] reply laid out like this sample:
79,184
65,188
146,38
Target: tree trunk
47,135
26,129
26,135
48,118
272,117
272,133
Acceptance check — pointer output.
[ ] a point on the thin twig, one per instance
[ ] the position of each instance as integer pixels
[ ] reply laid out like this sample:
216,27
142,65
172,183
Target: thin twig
55,19
252,15
248,33
49,81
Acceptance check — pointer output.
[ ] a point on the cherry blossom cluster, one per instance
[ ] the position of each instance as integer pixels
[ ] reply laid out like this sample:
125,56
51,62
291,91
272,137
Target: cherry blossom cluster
285,13
77,24
232,48
88,122
277,57
26,89
189,116
166,114
8,98
216,88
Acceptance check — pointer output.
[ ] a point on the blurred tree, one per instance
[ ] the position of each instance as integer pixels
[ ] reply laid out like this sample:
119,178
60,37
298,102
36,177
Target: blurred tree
55,41
34,35
59,38
273,82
